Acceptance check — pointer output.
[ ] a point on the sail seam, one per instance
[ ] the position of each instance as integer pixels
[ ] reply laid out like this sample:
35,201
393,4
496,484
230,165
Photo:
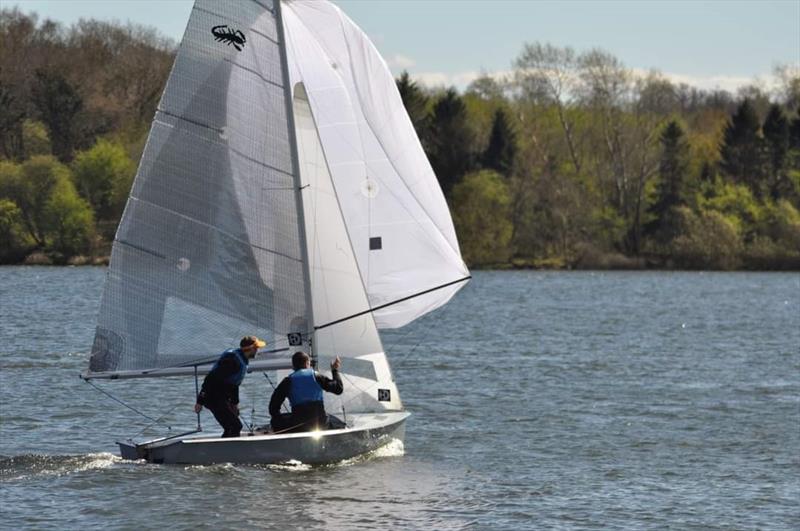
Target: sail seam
228,146
256,72
216,229
270,39
271,10
143,249
191,121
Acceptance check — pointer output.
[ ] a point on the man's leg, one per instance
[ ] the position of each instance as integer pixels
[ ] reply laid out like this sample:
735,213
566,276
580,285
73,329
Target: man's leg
229,422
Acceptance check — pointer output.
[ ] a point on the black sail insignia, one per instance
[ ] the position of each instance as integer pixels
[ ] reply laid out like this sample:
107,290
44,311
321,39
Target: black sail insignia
229,36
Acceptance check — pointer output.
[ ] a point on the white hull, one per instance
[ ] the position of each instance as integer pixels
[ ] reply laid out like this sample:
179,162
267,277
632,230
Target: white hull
364,433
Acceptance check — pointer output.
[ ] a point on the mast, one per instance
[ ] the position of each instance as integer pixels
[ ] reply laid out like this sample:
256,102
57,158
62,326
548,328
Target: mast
289,99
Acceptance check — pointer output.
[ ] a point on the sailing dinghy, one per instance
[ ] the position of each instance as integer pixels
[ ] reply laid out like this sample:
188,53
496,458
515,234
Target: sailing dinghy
283,193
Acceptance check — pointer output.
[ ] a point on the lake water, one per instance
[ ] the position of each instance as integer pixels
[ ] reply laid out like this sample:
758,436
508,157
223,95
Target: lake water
540,400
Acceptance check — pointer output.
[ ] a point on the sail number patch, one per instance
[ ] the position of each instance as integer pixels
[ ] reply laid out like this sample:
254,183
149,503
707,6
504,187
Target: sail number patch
384,395
295,340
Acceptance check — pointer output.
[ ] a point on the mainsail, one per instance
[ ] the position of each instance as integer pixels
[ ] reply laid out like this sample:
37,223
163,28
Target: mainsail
208,249
282,192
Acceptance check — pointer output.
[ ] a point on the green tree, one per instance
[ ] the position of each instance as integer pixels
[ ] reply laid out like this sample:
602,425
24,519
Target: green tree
53,215
481,212
450,151
741,148
15,243
416,104
34,135
673,168
69,221
59,106
707,240
29,185
103,176
502,148
776,145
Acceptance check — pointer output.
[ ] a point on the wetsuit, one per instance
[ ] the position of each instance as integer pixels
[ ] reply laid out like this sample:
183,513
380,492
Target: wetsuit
220,391
304,389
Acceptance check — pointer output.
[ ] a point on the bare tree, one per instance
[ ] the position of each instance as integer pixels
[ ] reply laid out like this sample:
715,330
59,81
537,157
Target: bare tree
546,74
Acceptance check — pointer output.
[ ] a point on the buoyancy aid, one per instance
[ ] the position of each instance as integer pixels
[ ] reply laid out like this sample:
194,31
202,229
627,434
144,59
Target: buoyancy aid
237,377
304,387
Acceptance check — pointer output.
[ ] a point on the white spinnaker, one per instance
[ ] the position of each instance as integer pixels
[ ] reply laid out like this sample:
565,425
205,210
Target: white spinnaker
388,193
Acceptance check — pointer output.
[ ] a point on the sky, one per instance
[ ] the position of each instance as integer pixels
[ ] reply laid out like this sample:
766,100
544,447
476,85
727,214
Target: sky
709,44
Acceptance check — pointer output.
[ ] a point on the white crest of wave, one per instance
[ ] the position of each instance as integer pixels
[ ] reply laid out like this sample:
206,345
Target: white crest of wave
393,448
293,465
99,460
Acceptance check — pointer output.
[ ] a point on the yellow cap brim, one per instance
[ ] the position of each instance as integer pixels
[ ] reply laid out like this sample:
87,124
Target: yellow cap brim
261,344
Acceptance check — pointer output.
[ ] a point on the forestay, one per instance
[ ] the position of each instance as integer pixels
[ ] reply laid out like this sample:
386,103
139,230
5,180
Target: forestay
208,249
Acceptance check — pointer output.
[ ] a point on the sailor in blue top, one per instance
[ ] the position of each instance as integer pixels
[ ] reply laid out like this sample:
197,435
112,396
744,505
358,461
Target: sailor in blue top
220,391
304,389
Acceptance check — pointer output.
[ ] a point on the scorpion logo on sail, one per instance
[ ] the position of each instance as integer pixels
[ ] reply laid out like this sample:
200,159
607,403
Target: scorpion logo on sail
227,35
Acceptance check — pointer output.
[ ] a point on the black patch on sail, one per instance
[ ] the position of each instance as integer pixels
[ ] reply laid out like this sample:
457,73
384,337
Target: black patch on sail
106,350
229,36
295,340
375,243
384,395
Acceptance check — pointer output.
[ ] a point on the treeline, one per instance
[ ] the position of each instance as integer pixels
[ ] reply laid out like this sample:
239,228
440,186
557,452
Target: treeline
75,109
573,161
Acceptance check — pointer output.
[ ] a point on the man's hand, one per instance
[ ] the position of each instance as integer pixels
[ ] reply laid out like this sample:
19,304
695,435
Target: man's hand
336,364
234,408
197,408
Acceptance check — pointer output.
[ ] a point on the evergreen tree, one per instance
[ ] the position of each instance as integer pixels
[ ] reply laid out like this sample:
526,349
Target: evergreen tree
12,117
776,145
416,104
794,132
673,169
741,149
59,106
502,148
450,152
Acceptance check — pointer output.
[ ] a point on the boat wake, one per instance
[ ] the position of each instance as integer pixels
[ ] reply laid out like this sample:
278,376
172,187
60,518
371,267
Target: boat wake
30,466
393,448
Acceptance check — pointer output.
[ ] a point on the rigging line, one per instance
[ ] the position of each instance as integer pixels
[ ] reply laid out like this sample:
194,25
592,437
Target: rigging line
115,399
361,390
382,306
159,419
283,404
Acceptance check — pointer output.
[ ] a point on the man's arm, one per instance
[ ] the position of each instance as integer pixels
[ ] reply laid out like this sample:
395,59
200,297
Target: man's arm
334,384
278,396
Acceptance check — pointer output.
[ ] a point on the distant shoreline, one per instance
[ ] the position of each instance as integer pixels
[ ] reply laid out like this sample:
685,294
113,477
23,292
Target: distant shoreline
611,262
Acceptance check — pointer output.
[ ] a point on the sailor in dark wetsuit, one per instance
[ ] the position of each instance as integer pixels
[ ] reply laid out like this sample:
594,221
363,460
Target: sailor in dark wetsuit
220,391
304,389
